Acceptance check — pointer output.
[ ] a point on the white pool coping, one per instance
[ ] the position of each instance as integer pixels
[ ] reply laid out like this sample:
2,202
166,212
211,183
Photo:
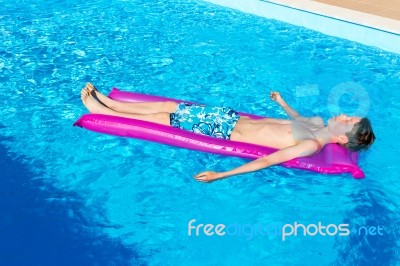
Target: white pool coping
367,29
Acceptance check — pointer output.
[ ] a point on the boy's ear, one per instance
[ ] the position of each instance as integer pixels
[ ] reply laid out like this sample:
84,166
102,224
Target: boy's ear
343,139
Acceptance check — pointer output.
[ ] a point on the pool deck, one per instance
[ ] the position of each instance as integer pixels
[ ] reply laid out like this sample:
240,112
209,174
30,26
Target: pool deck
383,8
379,14
370,22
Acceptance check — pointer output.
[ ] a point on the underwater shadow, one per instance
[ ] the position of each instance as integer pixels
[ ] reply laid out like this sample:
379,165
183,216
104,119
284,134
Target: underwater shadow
37,230
374,235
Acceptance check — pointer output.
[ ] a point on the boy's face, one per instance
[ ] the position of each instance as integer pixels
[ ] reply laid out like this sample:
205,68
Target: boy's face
341,124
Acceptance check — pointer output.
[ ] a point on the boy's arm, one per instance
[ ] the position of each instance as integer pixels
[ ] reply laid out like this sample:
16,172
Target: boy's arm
304,148
290,111
293,114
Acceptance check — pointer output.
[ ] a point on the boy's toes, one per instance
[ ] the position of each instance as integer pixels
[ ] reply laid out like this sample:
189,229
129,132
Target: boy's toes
89,86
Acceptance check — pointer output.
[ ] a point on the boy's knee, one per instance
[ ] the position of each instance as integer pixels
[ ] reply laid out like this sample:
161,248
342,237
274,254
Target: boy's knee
169,106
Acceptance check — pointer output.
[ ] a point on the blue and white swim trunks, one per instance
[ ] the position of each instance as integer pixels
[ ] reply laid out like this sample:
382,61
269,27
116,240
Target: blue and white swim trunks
217,122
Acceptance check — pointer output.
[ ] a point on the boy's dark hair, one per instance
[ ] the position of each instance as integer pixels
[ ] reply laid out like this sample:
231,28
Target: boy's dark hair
361,136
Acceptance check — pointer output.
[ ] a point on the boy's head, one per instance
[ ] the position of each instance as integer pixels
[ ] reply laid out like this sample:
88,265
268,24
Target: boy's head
354,133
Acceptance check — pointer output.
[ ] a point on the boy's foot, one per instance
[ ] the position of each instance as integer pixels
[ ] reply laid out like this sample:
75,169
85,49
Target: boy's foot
91,104
110,103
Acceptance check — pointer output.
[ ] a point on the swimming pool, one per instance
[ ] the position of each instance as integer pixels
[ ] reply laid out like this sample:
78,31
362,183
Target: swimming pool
79,197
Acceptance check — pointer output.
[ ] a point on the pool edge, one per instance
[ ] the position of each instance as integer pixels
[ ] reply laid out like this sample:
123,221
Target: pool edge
367,29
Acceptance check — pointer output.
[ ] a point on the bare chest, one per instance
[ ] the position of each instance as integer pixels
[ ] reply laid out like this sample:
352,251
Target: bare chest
268,134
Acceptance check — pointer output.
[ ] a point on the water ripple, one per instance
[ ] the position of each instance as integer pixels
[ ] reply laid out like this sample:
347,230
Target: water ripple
200,52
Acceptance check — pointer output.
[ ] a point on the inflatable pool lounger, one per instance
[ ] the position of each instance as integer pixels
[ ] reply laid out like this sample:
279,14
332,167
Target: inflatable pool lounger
333,159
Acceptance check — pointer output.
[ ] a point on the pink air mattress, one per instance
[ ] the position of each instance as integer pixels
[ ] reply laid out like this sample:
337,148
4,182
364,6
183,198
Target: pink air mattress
333,159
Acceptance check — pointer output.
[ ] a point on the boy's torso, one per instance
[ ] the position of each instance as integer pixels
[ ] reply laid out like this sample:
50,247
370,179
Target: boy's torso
275,133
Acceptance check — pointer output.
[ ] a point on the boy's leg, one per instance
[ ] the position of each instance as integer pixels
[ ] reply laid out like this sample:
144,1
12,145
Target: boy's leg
95,107
136,108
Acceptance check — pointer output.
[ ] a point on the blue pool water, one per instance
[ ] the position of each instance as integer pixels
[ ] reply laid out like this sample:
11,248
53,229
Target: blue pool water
74,197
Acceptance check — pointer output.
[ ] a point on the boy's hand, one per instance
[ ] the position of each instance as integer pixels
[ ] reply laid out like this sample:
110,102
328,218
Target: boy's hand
276,97
207,176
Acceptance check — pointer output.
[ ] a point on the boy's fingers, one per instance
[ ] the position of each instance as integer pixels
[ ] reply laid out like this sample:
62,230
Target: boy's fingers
201,174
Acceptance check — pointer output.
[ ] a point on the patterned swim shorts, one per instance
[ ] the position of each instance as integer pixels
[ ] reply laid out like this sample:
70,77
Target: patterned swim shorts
217,122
